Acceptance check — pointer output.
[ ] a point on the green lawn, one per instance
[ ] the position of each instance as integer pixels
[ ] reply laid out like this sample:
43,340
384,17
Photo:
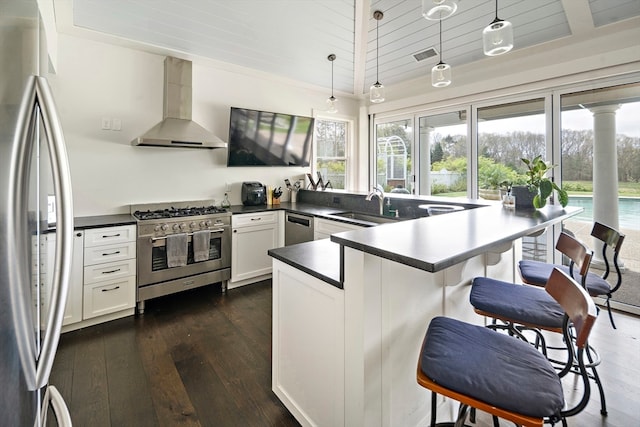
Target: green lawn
628,189
579,188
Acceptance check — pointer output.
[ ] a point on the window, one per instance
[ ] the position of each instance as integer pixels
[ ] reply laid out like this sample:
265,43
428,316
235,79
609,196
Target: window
443,154
600,149
332,139
393,156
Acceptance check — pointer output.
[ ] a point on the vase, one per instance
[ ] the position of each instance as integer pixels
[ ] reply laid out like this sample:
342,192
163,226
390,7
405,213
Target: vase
524,197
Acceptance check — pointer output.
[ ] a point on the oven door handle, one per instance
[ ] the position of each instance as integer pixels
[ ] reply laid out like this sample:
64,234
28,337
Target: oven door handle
214,230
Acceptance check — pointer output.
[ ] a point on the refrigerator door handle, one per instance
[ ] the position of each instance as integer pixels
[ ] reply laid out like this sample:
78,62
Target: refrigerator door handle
53,397
64,229
38,96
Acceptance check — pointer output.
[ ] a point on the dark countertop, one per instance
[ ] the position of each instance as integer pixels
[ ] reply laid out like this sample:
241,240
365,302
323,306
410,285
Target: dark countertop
435,243
319,258
303,208
86,222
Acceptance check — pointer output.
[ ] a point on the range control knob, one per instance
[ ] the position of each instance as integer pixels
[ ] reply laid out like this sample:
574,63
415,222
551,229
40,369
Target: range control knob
203,224
207,222
193,225
183,226
157,228
175,227
164,227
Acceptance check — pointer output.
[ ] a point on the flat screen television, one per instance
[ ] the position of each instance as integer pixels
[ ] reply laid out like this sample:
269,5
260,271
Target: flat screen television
262,138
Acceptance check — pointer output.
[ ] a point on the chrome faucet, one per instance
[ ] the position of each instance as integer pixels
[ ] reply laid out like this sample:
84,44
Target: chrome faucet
378,192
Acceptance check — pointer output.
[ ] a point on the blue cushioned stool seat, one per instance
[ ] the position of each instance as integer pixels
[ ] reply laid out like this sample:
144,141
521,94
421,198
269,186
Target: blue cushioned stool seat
519,303
537,273
492,367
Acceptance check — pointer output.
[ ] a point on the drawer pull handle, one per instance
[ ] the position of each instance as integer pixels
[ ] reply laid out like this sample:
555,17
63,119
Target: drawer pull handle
106,236
111,271
112,253
188,283
256,219
111,289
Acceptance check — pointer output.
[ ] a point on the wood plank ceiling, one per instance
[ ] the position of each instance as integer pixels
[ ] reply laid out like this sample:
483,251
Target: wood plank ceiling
292,38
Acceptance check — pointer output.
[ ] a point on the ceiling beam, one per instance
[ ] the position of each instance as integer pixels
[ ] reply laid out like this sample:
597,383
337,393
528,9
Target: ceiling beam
360,33
578,15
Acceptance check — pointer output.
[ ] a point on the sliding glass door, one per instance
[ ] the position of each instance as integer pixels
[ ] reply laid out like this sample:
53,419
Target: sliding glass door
394,147
600,145
443,154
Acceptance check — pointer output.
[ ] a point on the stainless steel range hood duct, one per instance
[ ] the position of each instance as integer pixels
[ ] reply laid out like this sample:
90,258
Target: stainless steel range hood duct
177,129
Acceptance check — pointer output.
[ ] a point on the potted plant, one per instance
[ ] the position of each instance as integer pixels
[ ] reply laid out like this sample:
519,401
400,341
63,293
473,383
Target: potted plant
539,186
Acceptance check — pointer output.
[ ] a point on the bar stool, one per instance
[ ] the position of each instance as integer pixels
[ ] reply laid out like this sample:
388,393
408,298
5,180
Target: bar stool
529,308
500,374
536,272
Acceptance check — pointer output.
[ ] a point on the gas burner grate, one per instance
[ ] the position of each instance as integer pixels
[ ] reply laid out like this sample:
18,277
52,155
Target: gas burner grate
178,212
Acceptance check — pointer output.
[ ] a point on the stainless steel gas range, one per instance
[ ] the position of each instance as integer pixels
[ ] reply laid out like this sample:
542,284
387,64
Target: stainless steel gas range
181,246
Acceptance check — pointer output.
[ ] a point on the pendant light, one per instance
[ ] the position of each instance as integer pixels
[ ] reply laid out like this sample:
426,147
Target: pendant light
441,73
332,101
497,37
435,10
376,91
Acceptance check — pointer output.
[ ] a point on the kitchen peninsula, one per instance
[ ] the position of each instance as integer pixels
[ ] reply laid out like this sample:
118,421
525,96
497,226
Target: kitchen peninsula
349,314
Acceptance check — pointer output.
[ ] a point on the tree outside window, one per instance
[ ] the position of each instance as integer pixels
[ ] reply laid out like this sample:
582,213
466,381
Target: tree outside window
331,151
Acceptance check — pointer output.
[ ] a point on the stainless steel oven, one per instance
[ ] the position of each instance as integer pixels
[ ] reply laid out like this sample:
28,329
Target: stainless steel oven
190,220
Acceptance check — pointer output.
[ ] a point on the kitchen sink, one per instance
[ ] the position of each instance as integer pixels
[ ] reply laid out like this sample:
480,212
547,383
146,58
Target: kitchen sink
377,219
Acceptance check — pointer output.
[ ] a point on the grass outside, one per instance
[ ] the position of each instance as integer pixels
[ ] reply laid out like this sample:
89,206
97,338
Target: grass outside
581,188
577,188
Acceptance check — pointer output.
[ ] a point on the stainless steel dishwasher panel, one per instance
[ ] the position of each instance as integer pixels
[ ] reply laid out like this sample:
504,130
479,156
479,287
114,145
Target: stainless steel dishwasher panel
298,228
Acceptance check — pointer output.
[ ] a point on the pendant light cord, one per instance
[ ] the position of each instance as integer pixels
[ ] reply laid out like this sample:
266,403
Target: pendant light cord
332,78
377,49
441,41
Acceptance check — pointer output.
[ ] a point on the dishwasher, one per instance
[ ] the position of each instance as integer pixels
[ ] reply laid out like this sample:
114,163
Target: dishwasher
298,228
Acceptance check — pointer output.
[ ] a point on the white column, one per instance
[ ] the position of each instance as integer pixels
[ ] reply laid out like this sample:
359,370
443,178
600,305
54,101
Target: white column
424,172
605,171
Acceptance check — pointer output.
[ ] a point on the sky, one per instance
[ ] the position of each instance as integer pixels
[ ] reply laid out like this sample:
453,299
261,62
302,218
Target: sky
627,122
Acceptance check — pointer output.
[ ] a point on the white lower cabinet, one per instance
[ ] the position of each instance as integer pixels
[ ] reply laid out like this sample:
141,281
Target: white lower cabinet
109,271
253,235
73,308
109,297
324,228
308,363
103,276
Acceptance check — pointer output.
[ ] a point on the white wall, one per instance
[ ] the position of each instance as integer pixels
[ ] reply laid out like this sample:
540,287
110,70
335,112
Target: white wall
96,80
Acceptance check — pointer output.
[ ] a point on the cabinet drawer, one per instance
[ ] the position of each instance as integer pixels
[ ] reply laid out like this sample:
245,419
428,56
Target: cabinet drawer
109,297
109,235
258,218
108,271
109,253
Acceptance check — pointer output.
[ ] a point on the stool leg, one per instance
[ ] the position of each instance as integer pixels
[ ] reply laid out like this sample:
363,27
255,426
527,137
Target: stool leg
434,397
596,377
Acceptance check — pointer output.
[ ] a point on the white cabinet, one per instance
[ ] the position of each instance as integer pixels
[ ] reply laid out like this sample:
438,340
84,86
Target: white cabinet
253,235
323,228
308,343
73,308
109,271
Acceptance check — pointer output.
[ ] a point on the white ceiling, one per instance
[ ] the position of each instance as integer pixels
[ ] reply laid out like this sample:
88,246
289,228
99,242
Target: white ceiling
292,38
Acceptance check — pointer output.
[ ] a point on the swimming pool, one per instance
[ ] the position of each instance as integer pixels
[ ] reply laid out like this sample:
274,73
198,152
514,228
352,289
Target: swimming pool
628,210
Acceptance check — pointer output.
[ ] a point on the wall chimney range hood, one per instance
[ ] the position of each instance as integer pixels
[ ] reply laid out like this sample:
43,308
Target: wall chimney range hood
177,129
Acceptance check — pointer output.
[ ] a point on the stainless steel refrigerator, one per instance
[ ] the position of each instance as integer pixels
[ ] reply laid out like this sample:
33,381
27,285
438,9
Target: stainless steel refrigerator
33,170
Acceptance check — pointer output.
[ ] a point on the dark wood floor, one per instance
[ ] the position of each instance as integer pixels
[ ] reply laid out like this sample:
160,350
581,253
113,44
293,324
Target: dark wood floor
201,358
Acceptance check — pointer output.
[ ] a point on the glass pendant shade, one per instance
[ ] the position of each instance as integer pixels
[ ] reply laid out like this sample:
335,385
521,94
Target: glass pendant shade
497,38
435,10
441,75
376,92
332,106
